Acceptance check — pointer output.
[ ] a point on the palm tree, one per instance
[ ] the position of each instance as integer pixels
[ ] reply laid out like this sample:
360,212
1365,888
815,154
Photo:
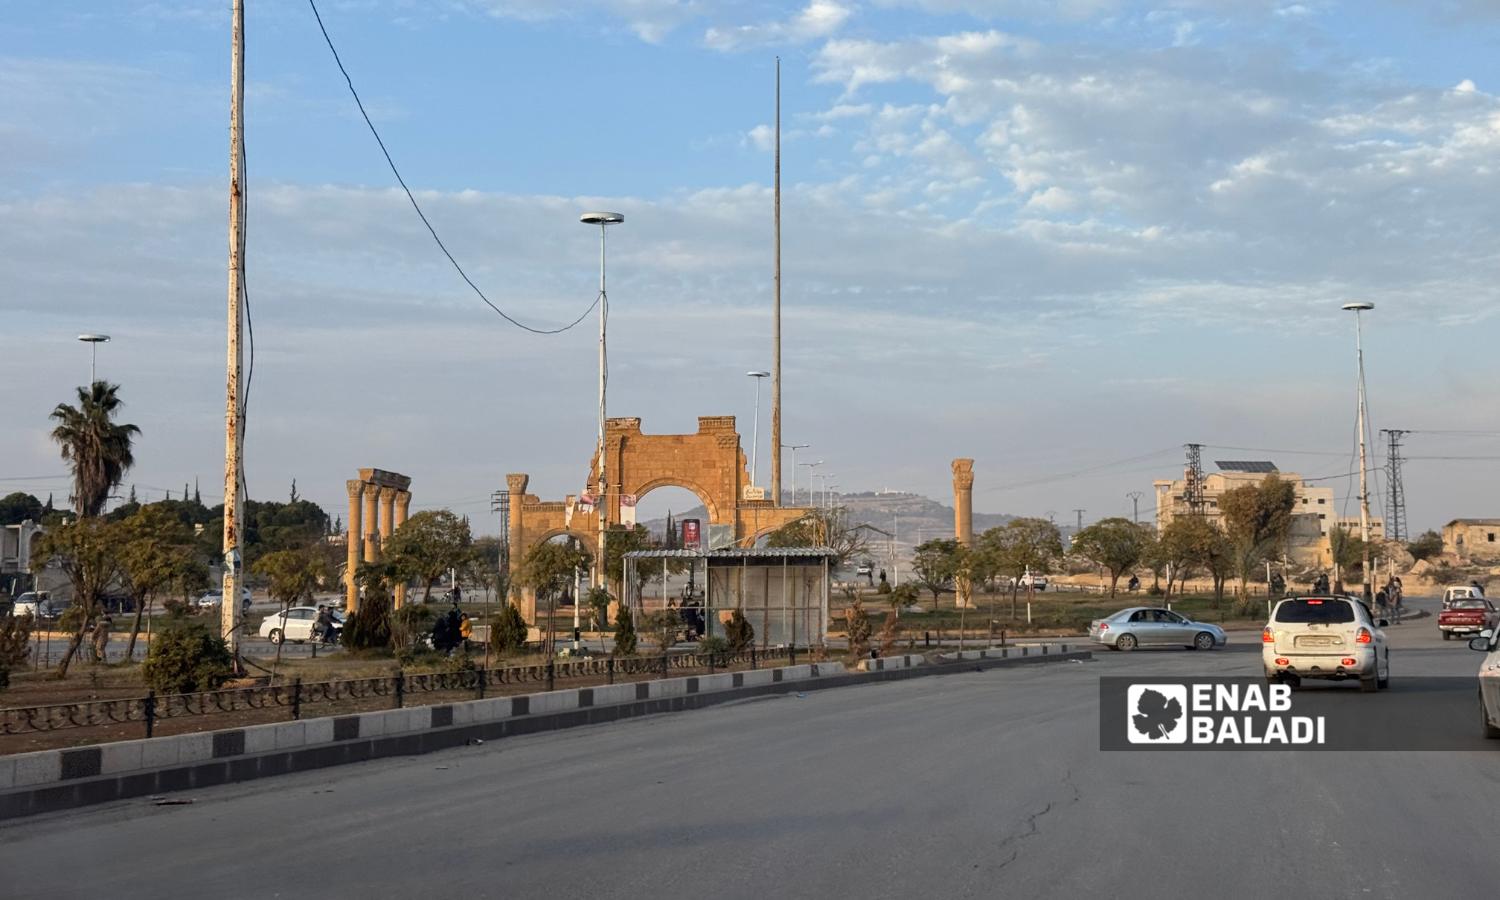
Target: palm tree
95,446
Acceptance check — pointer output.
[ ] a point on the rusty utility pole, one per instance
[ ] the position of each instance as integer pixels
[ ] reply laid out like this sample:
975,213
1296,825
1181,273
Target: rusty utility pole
776,327
234,429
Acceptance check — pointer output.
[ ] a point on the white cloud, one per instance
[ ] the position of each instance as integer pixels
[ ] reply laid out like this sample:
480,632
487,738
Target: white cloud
819,19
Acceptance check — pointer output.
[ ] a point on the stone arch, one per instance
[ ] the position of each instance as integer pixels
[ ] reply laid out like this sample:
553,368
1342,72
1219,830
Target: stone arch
703,496
587,540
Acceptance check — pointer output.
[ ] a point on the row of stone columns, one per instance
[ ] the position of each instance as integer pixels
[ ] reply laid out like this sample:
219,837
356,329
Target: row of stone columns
375,510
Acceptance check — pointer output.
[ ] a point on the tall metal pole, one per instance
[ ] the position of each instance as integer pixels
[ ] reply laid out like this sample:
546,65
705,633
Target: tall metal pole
755,434
603,220
1364,469
794,448
229,605
776,328
1135,506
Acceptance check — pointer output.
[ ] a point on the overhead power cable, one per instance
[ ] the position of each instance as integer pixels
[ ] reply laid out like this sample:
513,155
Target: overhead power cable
416,206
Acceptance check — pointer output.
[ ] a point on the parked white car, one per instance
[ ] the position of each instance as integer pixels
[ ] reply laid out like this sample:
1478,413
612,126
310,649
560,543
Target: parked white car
1489,682
1325,637
294,624
38,605
213,598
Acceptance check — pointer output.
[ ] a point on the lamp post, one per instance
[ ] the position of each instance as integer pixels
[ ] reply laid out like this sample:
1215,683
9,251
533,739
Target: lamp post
603,220
794,448
810,476
1358,307
758,375
93,340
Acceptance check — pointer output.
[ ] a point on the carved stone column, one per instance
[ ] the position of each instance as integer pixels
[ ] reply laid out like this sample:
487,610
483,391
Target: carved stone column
353,538
963,520
372,517
403,506
387,513
515,488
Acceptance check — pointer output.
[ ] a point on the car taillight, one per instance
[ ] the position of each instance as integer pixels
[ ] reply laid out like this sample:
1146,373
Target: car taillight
1282,661
1315,603
1103,627
1363,636
1348,661
1266,637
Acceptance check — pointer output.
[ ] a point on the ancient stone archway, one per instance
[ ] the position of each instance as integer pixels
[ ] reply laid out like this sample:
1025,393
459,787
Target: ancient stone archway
709,462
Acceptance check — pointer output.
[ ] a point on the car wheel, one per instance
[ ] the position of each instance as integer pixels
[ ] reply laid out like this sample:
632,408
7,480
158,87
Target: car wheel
1369,685
1204,641
1447,636
1486,728
275,635
1125,642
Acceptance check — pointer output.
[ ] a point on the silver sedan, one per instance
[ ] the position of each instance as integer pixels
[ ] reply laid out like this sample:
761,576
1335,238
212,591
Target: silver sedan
1148,626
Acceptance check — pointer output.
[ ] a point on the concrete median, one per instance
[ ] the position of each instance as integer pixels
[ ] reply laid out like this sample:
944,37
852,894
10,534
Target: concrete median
50,780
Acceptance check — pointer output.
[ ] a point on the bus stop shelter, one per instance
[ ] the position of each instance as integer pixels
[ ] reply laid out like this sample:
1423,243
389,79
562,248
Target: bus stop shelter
782,591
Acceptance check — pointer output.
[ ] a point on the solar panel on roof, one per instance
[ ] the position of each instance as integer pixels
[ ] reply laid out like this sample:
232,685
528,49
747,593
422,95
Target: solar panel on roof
1245,465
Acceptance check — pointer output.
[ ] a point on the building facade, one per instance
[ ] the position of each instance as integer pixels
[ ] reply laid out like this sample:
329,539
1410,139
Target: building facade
1314,515
1473,539
15,556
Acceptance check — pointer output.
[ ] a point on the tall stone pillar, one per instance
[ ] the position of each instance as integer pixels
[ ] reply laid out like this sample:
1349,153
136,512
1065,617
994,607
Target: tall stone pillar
353,539
403,506
963,519
387,513
372,517
515,489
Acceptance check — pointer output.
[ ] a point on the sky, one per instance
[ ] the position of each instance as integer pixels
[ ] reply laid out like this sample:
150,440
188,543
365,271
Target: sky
1063,238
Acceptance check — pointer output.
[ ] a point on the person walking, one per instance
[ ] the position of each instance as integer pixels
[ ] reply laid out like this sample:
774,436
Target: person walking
101,637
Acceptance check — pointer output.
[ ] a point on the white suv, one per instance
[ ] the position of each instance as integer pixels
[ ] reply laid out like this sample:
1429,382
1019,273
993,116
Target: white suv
1325,637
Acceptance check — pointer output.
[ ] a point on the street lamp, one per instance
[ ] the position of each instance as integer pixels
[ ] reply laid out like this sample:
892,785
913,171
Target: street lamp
603,220
794,448
755,430
93,340
810,476
1358,307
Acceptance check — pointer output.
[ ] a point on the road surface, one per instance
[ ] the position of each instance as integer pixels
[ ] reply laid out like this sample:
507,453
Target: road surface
974,785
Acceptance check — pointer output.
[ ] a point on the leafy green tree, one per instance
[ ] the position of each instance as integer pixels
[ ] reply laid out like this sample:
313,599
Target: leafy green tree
1427,545
155,552
935,565
96,447
857,623
84,550
508,631
1348,550
1181,547
18,507
426,546
625,640
15,645
1117,544
549,569
1257,518
1020,546
738,631
187,657
661,627
598,603
618,541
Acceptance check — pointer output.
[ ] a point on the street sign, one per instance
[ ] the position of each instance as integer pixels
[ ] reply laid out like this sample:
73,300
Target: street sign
751,492
691,536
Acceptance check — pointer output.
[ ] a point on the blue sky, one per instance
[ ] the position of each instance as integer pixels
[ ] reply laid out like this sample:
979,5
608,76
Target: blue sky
1048,235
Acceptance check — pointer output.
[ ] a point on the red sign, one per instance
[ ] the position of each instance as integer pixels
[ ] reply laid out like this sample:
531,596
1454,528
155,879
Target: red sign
690,536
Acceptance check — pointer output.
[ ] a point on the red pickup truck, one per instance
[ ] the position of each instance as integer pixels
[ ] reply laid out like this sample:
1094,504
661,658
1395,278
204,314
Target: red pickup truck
1468,617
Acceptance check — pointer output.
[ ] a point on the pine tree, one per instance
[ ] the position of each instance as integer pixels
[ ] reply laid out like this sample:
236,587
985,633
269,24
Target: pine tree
197,497
625,642
295,498
132,501
48,507
671,541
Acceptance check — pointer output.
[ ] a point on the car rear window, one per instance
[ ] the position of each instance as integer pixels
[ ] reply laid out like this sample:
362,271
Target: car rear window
1315,610
1469,604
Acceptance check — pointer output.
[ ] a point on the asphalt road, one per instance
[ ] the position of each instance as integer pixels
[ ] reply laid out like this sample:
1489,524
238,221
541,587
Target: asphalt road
974,785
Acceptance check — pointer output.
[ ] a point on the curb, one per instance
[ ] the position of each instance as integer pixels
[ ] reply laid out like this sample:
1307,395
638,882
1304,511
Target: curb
53,780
